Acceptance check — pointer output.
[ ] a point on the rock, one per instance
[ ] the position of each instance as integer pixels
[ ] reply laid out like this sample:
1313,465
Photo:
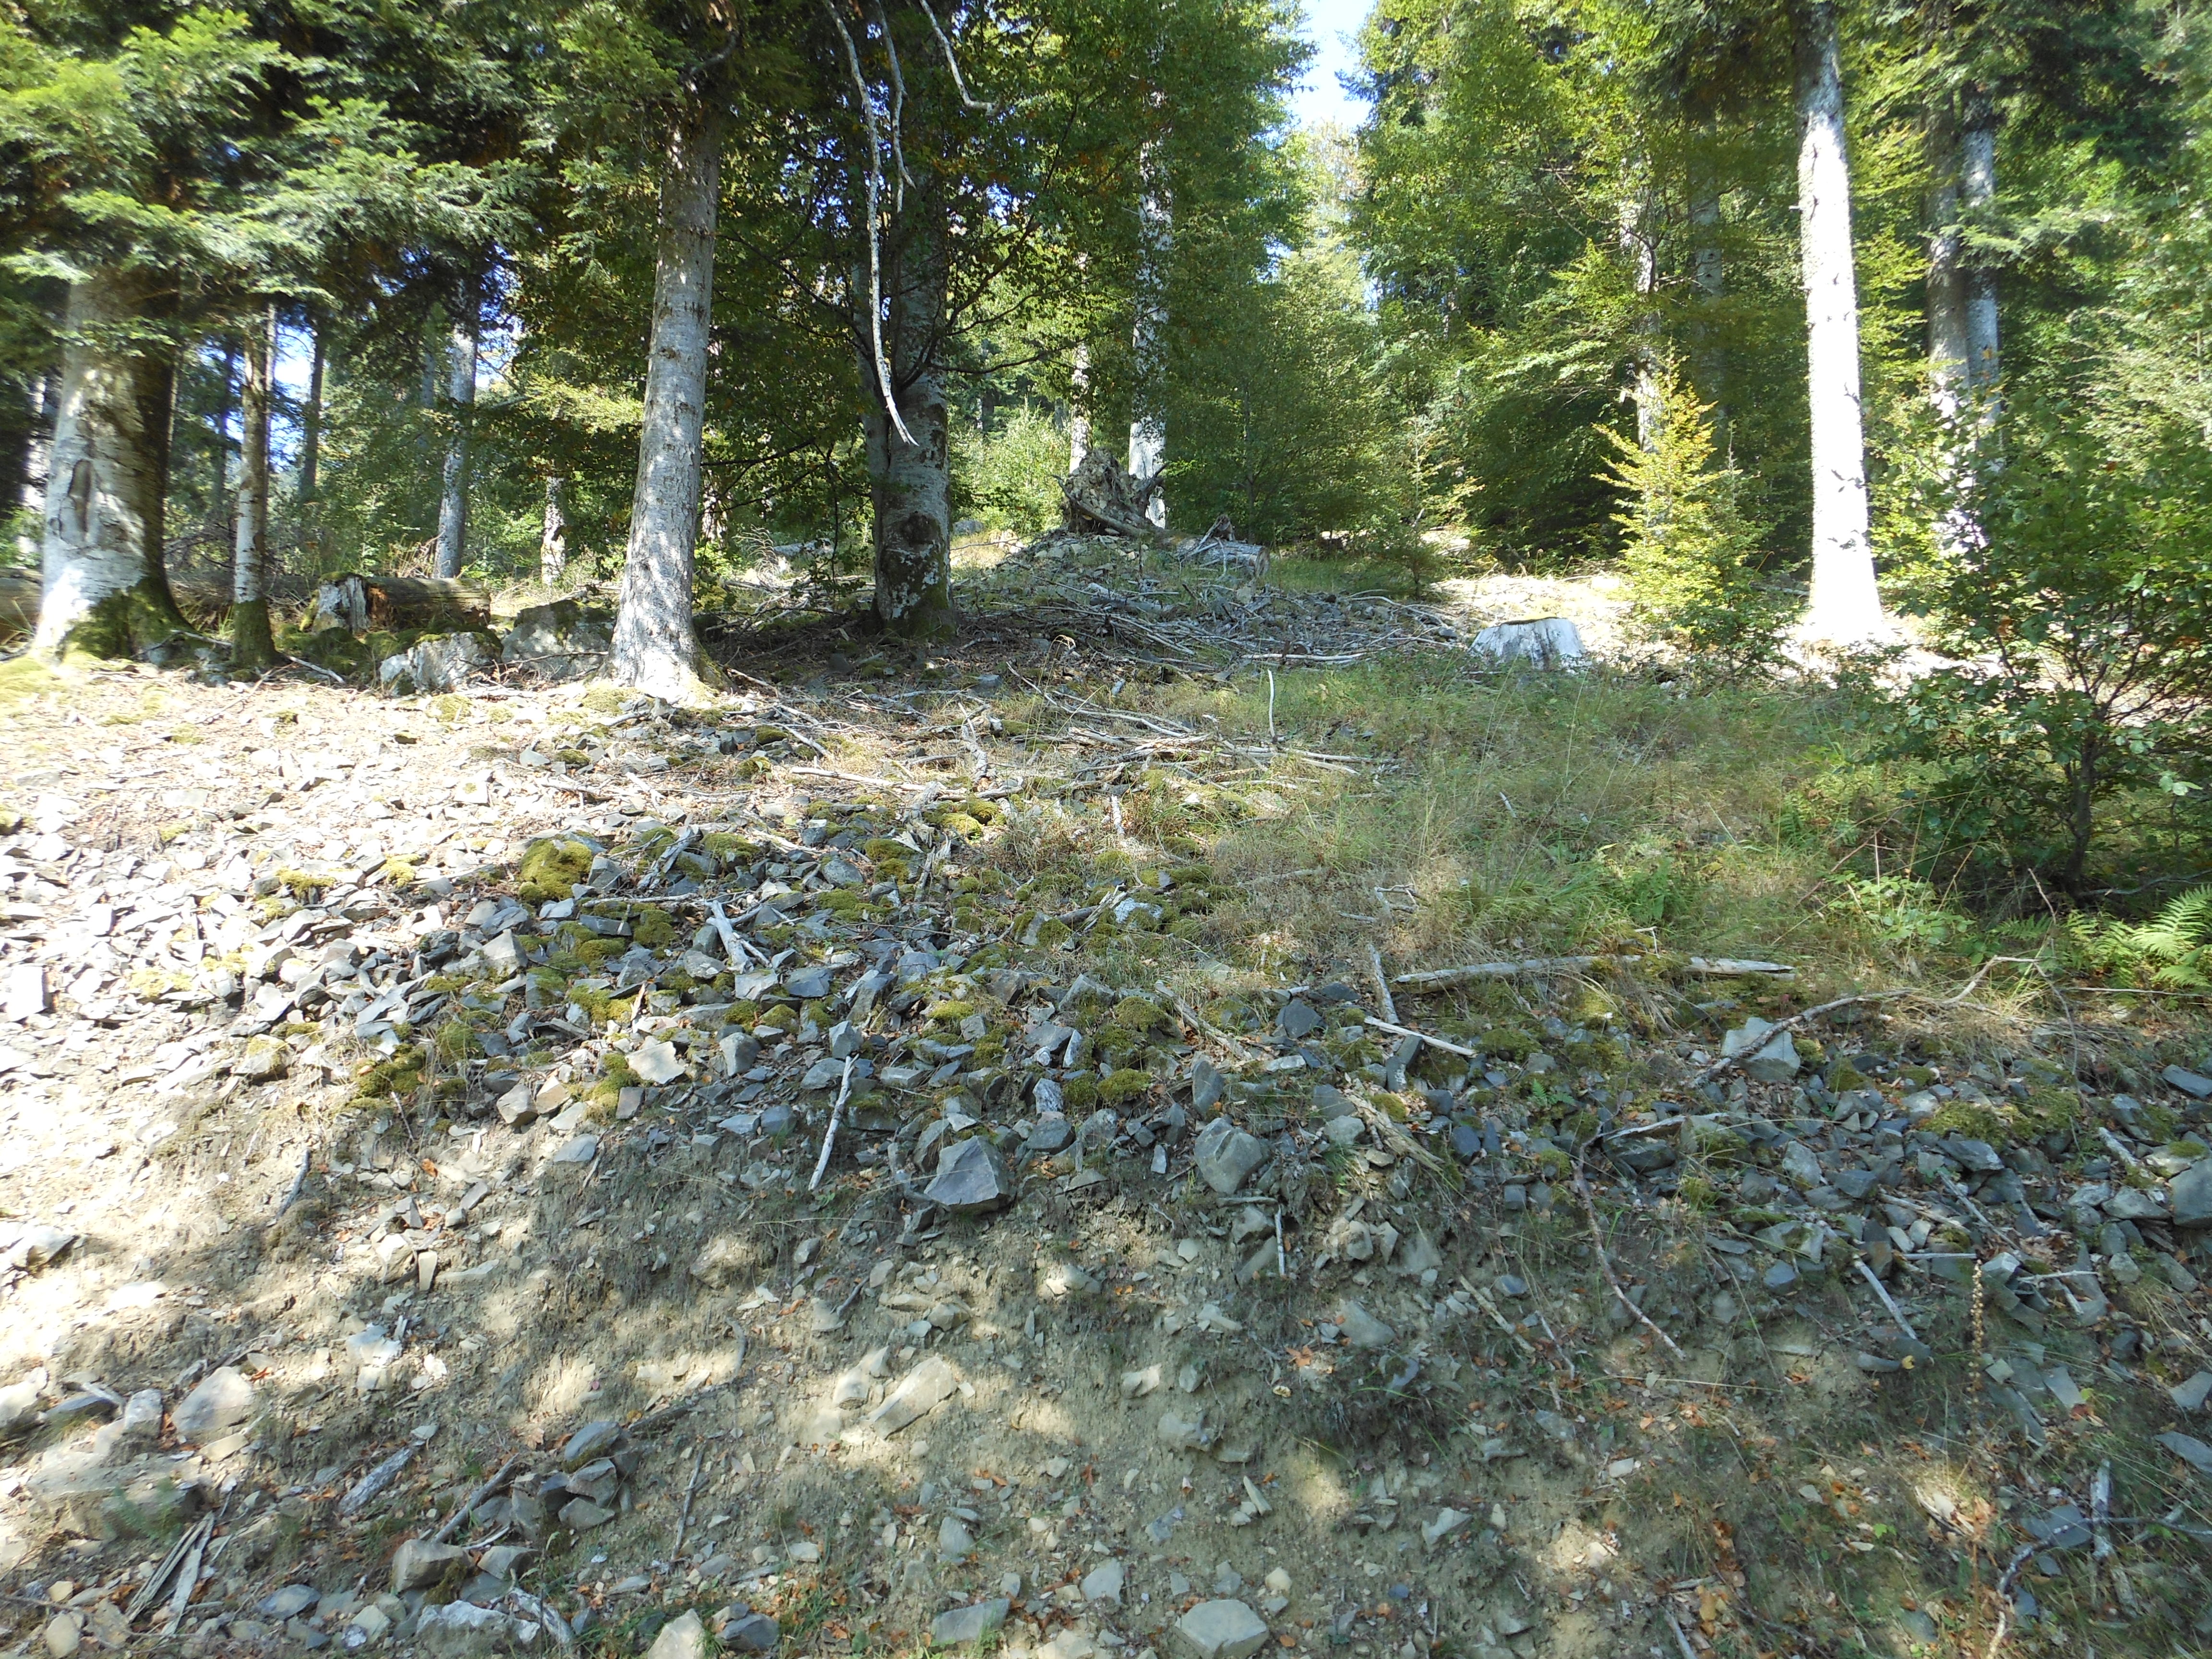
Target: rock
1767,1059
461,1630
1052,1135
1207,1083
19,1400
291,1600
562,641
1226,1155
2189,1396
24,992
808,984
2189,1450
681,1638
265,1058
578,1149
1363,1329
64,1631
1540,642
1448,1522
437,662
2195,1085
581,1515
141,1416
1222,1630
2134,1203
1802,1165
590,1442
1858,1185
1917,1625
1976,1155
418,1563
1103,1583
1343,1131
2189,1195
1181,1433
658,1062
959,1627
955,1543
372,1622
223,1399
754,1633
1298,1019
1780,1277
971,1178
922,1390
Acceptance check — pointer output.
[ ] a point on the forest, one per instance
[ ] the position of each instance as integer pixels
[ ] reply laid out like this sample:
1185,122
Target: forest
875,827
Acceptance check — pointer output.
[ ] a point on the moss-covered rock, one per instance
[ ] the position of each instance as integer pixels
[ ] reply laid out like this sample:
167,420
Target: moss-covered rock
551,868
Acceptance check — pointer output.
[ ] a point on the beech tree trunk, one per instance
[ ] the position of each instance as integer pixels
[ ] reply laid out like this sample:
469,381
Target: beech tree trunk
104,589
1845,607
1709,275
1978,189
1148,424
1079,408
1636,247
311,418
1946,283
252,650
654,648
553,542
453,499
910,483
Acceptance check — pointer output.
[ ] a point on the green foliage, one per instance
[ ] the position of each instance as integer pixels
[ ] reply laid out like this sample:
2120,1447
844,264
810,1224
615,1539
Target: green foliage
2173,949
1690,549
1008,475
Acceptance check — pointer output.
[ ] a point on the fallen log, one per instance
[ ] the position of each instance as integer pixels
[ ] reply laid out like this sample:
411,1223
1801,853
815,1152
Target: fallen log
395,605
1444,979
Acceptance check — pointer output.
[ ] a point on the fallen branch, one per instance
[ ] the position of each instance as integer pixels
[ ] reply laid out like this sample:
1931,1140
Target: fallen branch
1882,1290
1381,981
1442,979
1220,1036
365,1489
683,1520
830,1135
1392,1026
453,1521
1605,1265
1791,1024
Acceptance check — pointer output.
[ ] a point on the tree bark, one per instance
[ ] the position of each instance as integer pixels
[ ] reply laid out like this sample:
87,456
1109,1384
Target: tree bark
1946,287
45,410
553,541
1709,275
654,648
910,484
1148,424
1978,189
453,498
311,418
219,508
252,651
104,588
1078,407
1636,247
1845,607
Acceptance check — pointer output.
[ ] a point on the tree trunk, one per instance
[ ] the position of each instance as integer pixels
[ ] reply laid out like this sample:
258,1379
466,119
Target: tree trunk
553,542
1148,425
1845,607
1946,287
654,648
251,649
1636,247
910,483
45,401
1709,275
311,418
104,588
453,498
1978,189
1079,408
219,508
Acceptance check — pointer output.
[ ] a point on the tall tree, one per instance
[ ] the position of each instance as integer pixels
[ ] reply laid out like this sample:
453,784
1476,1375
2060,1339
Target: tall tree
252,648
1845,605
461,404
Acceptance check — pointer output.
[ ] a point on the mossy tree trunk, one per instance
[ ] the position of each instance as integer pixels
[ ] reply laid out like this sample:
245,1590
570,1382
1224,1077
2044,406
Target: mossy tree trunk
106,590
252,650
910,477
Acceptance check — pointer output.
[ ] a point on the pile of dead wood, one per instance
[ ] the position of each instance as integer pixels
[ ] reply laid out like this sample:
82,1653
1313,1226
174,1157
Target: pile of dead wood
394,604
1100,495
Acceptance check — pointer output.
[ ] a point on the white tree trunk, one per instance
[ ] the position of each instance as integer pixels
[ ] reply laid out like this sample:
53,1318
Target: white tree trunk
911,484
454,497
1947,288
654,647
251,649
1845,607
39,455
1078,407
553,542
101,544
1642,259
1709,275
1148,425
1977,181
310,416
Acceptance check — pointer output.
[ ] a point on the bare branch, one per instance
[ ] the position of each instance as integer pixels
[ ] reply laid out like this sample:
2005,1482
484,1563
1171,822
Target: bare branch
875,226
898,116
951,62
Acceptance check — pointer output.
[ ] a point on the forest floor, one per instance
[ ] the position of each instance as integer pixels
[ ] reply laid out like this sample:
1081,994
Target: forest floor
930,1150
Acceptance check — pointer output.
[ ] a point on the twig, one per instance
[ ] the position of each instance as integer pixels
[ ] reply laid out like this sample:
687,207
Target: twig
1680,1640
150,1591
460,1510
1444,979
365,1489
1882,1290
1605,1265
683,1520
1271,705
2004,1595
830,1135
1219,1035
1381,981
1434,1042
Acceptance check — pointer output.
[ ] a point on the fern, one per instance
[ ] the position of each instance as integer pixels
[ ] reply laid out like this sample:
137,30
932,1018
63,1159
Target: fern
2174,948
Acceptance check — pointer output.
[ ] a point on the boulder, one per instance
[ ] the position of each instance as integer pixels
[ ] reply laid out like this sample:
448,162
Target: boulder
461,1630
1767,1056
223,1399
437,662
755,1633
971,1178
418,1563
920,1392
1540,642
562,641
2190,1194
682,1637
1226,1155
1222,1630
960,1628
